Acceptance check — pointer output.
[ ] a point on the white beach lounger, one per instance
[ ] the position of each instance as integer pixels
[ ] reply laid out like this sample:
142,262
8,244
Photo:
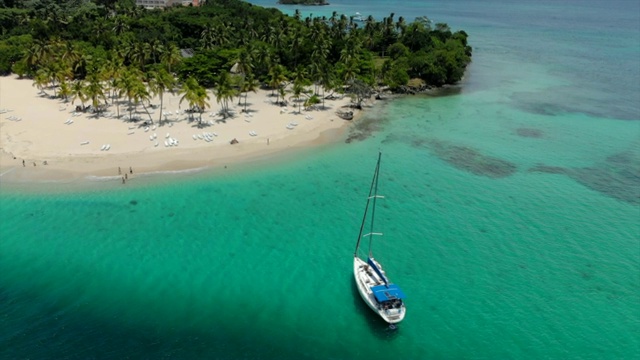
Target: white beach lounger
195,137
108,147
84,143
150,137
146,129
156,144
131,133
166,136
103,147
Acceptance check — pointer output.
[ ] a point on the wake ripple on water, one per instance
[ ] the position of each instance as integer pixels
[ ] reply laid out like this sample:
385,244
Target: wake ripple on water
618,176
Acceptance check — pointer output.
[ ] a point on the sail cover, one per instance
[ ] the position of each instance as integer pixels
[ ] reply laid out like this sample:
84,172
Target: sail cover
387,292
375,268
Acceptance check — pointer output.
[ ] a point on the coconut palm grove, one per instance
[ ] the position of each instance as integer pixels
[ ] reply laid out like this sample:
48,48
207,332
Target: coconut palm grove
94,52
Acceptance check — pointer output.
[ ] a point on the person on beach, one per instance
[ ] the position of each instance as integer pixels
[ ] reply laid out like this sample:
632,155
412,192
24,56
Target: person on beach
23,163
125,176
130,170
123,180
119,171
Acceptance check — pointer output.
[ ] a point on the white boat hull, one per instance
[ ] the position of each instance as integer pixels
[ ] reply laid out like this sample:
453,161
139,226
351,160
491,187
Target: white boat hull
365,279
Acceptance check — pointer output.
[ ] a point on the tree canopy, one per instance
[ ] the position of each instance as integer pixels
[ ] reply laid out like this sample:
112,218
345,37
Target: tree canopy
65,41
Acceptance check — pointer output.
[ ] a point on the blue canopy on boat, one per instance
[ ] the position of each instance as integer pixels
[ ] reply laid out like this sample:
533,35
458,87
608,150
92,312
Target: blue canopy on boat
387,292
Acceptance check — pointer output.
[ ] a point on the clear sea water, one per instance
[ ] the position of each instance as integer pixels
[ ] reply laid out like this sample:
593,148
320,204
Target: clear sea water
511,220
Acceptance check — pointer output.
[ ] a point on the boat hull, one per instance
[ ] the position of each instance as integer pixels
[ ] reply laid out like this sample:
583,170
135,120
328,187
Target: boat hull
365,281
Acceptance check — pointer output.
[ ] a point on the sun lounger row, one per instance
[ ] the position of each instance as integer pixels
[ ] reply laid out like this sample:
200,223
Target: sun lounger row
171,142
69,121
13,118
291,125
253,133
105,147
206,136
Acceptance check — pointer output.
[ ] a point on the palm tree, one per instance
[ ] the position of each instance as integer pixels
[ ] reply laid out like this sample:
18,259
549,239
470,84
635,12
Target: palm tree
37,53
244,66
297,91
208,37
41,80
224,92
120,25
94,91
160,82
155,48
250,84
134,88
171,56
196,95
77,92
277,77
69,54
65,90
138,54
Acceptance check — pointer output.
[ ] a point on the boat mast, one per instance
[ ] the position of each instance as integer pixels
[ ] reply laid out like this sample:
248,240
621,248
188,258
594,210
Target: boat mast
373,208
374,183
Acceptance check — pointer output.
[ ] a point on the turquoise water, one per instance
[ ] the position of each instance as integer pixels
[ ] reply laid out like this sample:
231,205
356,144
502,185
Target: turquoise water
511,220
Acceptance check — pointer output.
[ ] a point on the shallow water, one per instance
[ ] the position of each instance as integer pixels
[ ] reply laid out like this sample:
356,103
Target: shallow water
510,220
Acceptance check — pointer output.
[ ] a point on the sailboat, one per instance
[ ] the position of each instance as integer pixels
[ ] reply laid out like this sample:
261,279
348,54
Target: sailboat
375,288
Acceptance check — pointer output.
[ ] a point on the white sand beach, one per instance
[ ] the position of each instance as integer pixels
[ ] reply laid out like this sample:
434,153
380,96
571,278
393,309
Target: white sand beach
56,143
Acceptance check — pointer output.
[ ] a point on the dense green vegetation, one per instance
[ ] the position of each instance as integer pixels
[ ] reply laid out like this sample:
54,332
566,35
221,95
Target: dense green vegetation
96,51
303,2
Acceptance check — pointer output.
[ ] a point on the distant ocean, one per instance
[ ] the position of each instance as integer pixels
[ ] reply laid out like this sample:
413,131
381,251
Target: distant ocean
511,219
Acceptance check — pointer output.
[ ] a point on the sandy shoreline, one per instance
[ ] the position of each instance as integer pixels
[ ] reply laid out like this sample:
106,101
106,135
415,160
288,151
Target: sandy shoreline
36,129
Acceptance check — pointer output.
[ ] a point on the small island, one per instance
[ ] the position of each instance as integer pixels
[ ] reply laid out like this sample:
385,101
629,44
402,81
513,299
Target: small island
303,2
120,84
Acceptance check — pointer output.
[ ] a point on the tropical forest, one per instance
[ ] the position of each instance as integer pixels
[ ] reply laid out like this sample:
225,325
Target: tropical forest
95,51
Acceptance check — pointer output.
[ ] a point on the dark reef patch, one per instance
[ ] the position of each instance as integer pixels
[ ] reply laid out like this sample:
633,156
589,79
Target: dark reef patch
364,128
542,108
618,176
530,133
470,160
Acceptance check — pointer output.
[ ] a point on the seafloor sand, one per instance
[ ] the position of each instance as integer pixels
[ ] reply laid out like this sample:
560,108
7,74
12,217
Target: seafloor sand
35,128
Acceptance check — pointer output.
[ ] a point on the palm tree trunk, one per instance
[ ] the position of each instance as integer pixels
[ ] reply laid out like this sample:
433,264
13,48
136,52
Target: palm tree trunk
160,120
147,110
